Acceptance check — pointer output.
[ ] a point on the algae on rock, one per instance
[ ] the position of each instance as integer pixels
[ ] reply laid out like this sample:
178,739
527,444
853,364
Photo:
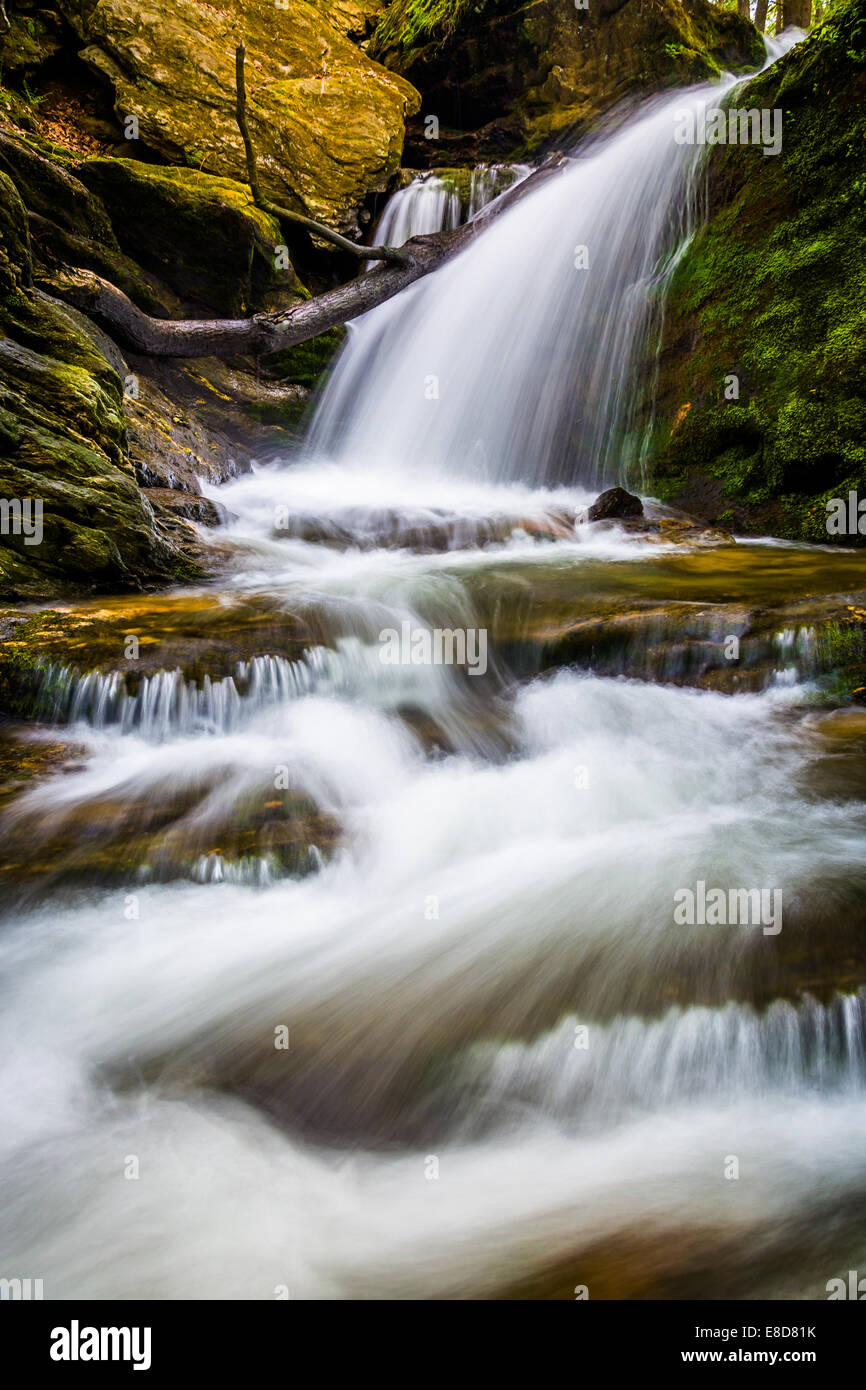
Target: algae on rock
772,291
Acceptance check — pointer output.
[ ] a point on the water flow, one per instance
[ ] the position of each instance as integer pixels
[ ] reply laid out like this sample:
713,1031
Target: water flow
486,878
427,204
519,360
432,202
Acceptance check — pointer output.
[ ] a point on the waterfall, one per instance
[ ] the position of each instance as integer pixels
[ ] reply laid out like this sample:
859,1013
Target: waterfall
521,357
432,203
454,896
427,204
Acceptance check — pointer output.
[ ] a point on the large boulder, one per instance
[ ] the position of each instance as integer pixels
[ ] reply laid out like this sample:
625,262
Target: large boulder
505,79
203,236
73,514
760,409
327,123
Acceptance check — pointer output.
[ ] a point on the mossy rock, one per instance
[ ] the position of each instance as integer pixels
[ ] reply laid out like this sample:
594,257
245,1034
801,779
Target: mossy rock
16,265
200,234
525,76
771,291
327,123
64,427
68,223
31,40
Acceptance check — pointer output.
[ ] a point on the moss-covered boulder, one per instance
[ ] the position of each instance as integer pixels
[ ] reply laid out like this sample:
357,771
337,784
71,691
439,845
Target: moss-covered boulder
521,76
72,515
68,224
34,36
16,265
202,235
772,293
327,122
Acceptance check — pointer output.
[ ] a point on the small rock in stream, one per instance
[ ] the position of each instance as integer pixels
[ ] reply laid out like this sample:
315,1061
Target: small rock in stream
615,503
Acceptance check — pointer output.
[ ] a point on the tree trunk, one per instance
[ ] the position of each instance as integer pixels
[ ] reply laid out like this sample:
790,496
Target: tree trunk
793,12
761,16
743,9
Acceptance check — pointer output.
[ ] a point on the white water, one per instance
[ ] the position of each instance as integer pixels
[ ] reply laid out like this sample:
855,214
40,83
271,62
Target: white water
515,361
447,1035
431,204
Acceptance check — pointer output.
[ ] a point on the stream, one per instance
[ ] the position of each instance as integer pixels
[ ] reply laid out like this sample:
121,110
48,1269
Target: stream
327,977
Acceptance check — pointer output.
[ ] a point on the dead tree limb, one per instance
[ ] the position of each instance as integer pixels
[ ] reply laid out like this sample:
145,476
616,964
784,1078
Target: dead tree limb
391,254
263,333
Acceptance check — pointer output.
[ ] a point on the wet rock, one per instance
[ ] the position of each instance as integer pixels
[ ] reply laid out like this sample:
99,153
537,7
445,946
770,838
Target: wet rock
136,837
615,503
428,531
200,634
184,504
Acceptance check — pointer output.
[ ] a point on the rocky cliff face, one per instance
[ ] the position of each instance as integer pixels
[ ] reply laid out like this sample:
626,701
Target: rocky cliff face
506,79
772,293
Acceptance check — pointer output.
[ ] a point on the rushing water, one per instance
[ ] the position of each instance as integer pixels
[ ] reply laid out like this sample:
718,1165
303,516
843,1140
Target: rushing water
519,360
508,1070
431,202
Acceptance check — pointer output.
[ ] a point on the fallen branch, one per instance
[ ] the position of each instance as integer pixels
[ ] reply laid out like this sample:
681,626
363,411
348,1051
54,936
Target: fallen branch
264,333
392,254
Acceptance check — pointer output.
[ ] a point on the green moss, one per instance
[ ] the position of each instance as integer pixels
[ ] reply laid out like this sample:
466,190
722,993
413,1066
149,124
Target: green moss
772,290
201,234
406,25
306,363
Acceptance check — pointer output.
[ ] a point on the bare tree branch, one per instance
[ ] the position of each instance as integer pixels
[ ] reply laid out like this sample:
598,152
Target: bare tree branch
263,332
270,332
364,253
5,26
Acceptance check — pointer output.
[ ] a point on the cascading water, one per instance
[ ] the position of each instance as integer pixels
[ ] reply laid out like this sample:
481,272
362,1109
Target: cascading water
520,359
431,203
425,205
507,1069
